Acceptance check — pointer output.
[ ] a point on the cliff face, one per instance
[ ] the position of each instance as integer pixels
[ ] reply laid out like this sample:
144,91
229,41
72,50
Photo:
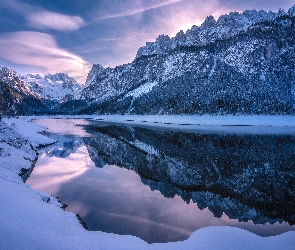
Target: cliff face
247,177
239,64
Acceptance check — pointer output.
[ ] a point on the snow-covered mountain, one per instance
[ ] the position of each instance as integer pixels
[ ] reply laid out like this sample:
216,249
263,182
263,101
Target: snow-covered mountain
13,80
210,31
15,96
242,63
57,87
35,94
93,73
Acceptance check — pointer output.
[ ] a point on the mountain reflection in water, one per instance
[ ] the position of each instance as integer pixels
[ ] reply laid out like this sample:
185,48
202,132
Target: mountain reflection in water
245,181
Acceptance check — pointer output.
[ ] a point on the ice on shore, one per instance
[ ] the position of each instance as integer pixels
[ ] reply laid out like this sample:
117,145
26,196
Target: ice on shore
257,124
209,120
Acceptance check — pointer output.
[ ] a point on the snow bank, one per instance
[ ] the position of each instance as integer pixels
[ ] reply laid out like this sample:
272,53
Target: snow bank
22,126
32,219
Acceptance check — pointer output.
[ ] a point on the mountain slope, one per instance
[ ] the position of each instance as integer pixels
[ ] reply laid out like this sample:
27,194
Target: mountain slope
16,98
239,64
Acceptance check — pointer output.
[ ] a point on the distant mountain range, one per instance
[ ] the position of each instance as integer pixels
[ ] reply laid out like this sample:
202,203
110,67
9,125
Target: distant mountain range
242,63
34,93
58,87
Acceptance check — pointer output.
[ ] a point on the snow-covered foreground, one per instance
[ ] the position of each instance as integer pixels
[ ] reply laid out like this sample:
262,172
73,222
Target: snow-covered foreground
31,219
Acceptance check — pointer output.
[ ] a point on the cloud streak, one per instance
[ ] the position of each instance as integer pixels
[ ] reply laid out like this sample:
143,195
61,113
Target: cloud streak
56,21
138,10
40,18
41,51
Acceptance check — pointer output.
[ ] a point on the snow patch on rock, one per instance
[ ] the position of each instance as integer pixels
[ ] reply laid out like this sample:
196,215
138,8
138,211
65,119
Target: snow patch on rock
57,87
141,90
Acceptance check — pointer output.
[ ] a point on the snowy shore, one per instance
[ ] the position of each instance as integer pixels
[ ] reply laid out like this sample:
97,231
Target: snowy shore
204,120
256,124
31,219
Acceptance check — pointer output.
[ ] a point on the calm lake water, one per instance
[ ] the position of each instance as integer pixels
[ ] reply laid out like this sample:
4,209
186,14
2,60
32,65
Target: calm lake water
163,184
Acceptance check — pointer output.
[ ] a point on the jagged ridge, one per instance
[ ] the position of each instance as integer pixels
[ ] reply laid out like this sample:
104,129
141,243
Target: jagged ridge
57,87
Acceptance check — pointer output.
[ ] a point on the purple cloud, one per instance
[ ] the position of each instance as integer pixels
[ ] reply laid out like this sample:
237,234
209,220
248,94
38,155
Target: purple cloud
41,50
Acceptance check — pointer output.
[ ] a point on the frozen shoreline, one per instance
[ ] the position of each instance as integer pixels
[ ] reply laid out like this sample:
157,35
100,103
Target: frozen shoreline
208,120
31,219
208,124
185,120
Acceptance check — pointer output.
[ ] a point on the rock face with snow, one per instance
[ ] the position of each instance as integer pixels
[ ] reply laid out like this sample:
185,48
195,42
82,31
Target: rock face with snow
247,177
58,87
35,94
16,98
242,63
93,73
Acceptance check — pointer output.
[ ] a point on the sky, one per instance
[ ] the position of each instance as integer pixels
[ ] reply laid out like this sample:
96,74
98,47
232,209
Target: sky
51,36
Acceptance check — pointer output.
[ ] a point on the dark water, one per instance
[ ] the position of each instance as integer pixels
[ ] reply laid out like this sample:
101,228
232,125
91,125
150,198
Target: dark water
161,185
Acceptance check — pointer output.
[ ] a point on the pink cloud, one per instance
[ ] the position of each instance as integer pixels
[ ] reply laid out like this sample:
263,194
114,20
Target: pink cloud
41,50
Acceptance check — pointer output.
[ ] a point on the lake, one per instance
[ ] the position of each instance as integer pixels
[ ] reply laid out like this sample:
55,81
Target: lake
162,184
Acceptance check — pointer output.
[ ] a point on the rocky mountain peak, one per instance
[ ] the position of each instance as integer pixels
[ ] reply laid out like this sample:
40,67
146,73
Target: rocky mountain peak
291,11
226,26
13,79
209,22
54,87
66,81
95,71
281,12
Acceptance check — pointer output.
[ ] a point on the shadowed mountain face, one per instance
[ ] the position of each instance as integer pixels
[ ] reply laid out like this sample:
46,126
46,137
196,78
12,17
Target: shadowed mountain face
15,96
15,101
247,177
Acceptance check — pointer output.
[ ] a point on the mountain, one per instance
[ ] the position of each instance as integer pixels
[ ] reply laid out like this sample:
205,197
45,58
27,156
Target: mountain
34,94
16,98
57,87
242,63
